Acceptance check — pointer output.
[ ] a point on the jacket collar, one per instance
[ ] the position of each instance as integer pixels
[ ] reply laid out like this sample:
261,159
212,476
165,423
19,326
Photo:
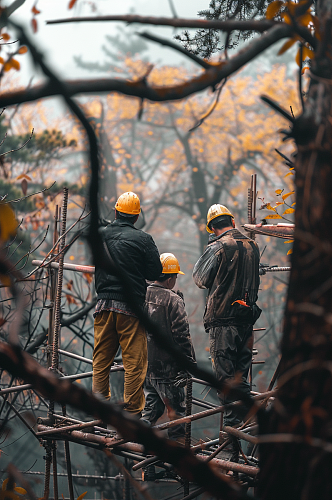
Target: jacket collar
158,285
120,223
229,231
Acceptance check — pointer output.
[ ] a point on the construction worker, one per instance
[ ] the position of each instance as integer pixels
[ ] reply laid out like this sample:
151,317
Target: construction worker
165,380
229,269
115,323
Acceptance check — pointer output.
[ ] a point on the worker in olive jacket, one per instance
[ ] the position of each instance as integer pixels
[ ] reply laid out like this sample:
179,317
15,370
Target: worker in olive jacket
115,323
229,269
165,381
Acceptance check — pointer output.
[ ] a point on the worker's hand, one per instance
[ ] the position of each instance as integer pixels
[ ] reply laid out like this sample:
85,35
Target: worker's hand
181,379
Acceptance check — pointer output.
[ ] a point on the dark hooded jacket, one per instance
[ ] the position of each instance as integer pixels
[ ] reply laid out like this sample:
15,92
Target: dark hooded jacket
229,269
133,251
166,308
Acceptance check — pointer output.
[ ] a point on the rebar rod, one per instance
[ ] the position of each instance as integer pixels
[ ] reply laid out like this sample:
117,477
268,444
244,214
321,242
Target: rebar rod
23,387
205,445
75,356
233,466
48,460
57,308
241,435
187,436
55,472
145,462
66,266
64,474
73,427
68,463
206,413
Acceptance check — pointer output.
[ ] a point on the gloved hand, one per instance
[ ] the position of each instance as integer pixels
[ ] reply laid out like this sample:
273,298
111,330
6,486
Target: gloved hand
181,379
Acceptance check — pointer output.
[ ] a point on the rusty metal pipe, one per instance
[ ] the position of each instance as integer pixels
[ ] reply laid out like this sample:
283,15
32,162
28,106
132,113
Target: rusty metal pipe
241,435
66,266
232,466
69,428
206,413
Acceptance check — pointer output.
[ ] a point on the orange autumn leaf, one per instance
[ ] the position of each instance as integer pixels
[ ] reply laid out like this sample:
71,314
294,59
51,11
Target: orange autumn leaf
5,280
23,176
15,64
34,25
70,299
24,186
71,4
273,216
88,277
305,19
307,53
23,49
286,18
34,10
287,45
273,9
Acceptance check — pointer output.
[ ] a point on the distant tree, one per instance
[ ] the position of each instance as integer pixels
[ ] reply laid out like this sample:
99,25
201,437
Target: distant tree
206,42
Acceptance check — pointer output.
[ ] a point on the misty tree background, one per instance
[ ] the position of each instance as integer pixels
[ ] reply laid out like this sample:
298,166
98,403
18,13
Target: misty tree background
176,172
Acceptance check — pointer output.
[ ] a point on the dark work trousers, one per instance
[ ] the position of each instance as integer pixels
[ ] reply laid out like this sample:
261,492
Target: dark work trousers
231,354
161,393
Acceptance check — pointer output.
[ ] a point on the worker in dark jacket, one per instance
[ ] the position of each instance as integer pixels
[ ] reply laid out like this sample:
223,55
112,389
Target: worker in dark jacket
165,381
229,269
115,323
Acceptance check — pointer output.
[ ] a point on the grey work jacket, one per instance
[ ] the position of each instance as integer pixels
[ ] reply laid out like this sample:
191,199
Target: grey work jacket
166,308
229,269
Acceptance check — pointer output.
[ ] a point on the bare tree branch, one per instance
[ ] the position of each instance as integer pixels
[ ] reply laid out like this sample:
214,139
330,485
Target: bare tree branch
141,88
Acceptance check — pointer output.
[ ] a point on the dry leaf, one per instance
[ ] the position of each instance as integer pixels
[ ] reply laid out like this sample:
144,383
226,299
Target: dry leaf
273,9
287,45
273,216
82,496
34,25
34,10
24,186
23,50
289,211
284,196
8,222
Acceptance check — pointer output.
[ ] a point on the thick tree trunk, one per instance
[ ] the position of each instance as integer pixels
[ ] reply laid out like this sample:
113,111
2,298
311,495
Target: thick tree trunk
303,409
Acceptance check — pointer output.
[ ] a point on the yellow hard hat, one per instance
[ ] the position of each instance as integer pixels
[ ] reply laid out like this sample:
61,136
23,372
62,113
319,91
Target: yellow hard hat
170,264
214,212
128,203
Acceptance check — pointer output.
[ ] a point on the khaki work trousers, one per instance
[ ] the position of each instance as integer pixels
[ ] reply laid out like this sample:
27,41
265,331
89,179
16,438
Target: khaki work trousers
112,329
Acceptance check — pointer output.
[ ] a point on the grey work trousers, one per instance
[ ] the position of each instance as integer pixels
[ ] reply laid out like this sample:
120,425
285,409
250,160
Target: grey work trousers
161,394
231,354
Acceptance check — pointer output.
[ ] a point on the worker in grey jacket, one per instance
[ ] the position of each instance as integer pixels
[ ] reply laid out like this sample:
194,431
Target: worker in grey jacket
165,380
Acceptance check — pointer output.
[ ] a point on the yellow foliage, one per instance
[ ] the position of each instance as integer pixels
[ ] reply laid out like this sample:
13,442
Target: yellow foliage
286,195
289,211
8,222
273,216
287,45
273,9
